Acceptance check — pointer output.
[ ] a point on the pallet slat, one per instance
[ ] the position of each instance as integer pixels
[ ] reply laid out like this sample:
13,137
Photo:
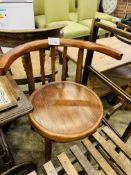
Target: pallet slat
83,160
98,157
68,167
124,166
50,169
124,148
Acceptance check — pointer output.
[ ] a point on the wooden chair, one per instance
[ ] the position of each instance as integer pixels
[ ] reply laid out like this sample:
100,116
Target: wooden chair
61,100
124,36
13,38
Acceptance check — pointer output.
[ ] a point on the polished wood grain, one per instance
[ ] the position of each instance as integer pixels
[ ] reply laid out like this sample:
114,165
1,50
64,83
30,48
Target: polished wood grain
62,111
18,51
65,111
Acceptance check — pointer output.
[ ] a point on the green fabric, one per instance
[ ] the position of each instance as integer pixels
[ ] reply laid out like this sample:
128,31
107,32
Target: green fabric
56,10
72,30
40,21
72,6
104,16
115,19
87,9
88,23
73,16
38,7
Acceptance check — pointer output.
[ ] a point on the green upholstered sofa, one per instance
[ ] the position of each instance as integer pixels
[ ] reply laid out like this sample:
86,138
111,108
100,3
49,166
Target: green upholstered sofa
77,15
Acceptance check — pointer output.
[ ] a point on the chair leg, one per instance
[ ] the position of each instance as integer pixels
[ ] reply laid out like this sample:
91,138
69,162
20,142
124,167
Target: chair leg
48,149
126,133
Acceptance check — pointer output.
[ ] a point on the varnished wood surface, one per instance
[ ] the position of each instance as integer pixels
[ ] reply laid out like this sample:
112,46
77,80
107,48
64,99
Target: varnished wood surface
102,62
18,51
65,111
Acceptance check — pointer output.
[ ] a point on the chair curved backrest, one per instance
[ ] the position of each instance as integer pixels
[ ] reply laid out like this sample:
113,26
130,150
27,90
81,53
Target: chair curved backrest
38,7
41,46
87,9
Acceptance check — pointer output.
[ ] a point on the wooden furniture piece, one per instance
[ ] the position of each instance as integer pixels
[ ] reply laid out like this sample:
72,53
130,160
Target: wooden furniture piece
107,159
41,45
122,34
13,38
65,111
102,62
23,106
99,157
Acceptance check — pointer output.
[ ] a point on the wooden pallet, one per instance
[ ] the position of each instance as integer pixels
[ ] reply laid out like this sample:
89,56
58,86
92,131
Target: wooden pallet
103,152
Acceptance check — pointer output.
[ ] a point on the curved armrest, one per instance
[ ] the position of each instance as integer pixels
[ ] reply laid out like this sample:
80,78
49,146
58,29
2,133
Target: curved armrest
19,51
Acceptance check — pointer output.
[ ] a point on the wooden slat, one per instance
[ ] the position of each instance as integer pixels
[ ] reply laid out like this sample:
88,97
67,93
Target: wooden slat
50,169
79,65
42,64
124,166
53,52
83,160
26,59
124,148
32,173
64,66
98,157
68,167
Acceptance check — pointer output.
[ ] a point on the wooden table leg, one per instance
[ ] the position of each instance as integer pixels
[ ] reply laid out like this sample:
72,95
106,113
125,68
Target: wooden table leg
48,149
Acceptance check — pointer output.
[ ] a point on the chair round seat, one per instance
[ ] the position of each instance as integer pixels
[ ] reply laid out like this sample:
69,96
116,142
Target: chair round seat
65,111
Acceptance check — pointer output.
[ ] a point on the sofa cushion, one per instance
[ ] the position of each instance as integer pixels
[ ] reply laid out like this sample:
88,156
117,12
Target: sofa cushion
73,16
72,29
115,19
40,21
103,16
88,23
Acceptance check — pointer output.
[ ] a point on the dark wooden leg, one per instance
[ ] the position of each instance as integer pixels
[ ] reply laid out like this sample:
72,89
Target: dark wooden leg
48,149
126,133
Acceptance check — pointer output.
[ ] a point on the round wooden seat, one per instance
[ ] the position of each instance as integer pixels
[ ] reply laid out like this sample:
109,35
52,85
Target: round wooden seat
65,111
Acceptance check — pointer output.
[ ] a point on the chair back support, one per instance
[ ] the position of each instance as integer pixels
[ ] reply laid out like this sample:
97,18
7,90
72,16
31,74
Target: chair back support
41,46
87,9
38,7
53,13
72,6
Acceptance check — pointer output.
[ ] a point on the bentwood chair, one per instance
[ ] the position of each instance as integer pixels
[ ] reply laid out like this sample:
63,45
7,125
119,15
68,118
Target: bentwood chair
64,111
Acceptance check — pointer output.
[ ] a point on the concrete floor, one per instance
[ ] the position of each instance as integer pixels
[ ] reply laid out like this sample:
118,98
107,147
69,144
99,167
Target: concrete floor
26,144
